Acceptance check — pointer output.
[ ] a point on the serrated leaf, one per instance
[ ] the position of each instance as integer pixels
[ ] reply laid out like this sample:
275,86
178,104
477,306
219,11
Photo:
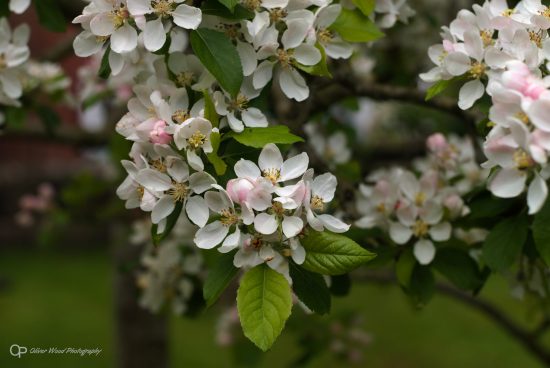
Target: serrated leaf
259,137
218,54
310,288
170,223
264,302
219,277
366,6
333,254
459,268
541,232
105,68
50,15
353,26
503,244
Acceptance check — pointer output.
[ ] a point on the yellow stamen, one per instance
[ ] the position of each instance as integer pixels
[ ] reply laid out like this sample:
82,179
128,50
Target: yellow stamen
317,203
179,192
272,174
197,140
420,228
228,217
477,70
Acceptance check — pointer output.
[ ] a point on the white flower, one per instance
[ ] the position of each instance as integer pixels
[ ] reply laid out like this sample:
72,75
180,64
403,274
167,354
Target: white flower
215,232
393,10
321,191
176,185
110,19
422,224
14,52
237,112
155,29
293,51
193,135
19,6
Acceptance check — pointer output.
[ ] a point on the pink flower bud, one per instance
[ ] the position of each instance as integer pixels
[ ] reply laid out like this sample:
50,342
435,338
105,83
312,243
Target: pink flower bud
239,189
158,135
437,142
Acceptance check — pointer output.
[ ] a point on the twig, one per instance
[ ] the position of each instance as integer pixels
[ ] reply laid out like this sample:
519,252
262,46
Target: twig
526,338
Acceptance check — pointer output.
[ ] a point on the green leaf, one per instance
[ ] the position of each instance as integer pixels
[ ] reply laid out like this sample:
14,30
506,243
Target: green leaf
219,165
170,223
96,98
333,254
259,137
213,7
210,110
503,244
541,232
15,116
4,9
366,6
229,4
340,285
440,86
488,206
105,68
404,267
422,286
50,15
320,69
353,26
310,288
220,57
219,277
459,268
264,302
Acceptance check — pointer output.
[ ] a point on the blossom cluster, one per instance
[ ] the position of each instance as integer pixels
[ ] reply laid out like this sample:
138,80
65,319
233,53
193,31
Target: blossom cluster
167,274
282,36
504,52
261,213
423,206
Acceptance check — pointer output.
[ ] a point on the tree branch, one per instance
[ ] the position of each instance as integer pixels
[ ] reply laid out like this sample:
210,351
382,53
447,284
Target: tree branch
526,338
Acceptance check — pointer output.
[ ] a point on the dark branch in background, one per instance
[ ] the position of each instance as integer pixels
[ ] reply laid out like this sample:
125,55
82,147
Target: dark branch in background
529,340
74,139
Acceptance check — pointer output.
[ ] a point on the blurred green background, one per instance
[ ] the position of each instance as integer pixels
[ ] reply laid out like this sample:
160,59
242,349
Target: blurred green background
65,298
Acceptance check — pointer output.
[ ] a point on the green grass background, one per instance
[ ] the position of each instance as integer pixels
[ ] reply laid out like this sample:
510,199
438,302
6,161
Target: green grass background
65,299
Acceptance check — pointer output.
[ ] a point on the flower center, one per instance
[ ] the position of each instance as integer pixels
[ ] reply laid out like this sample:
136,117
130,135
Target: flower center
317,203
119,15
228,217
284,57
545,12
238,103
231,30
197,140
159,166
185,79
522,159
140,191
324,36
252,4
420,228
521,116
486,37
278,209
381,207
179,191
477,70
508,12
180,116
163,8
277,14
419,198
536,37
272,174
